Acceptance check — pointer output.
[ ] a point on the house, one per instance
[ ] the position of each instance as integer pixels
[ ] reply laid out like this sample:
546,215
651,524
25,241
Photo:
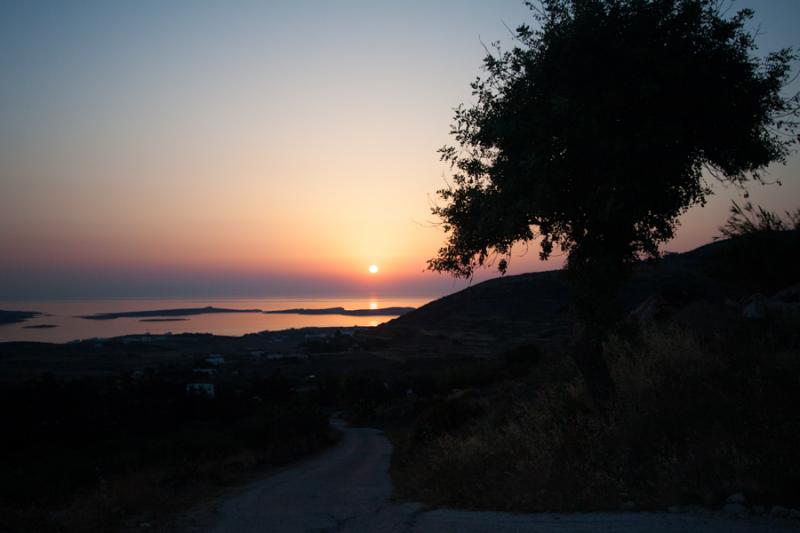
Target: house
200,389
278,356
215,359
207,371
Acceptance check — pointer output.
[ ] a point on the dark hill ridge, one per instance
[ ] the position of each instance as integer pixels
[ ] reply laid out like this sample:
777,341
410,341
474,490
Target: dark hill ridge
496,305
537,306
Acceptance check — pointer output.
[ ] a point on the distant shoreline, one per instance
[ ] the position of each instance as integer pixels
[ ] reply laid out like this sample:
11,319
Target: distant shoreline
386,311
167,313
153,315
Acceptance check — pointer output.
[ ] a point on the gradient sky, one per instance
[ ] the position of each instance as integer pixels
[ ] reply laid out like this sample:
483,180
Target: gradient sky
197,148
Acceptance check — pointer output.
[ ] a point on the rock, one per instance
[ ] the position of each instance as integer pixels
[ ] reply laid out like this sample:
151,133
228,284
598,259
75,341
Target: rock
650,310
756,309
628,506
784,310
788,295
736,498
779,511
794,514
735,509
708,318
759,509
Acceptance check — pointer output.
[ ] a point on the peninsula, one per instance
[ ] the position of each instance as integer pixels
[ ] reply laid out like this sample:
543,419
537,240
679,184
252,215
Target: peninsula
12,317
168,313
175,314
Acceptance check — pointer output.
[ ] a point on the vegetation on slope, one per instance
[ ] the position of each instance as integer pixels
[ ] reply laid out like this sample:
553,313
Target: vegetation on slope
694,421
90,454
705,406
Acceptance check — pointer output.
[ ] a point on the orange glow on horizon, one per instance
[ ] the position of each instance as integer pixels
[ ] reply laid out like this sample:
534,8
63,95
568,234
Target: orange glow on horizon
134,160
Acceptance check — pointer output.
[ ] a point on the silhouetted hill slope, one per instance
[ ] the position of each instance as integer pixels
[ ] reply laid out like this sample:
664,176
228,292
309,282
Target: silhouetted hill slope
497,304
539,304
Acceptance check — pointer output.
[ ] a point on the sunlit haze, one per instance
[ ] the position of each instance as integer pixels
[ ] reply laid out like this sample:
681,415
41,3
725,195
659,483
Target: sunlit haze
252,148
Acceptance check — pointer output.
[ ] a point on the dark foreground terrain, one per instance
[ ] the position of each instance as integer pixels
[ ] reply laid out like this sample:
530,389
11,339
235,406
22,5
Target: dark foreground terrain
476,392
707,371
347,489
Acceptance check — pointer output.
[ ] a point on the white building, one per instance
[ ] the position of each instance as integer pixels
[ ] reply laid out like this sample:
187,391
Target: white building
215,359
200,389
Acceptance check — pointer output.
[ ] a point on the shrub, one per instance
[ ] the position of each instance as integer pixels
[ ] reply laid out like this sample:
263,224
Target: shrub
749,220
694,421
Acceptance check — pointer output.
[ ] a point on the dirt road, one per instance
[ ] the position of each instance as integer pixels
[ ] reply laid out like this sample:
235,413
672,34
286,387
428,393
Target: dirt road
347,489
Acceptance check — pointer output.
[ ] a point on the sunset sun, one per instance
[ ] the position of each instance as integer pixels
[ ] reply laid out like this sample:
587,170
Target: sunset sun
373,269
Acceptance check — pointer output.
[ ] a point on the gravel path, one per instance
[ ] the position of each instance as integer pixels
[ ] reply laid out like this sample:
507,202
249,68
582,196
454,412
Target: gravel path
347,489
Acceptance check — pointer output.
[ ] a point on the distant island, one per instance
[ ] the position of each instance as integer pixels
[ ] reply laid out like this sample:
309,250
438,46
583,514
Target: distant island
168,313
386,311
41,326
177,314
12,317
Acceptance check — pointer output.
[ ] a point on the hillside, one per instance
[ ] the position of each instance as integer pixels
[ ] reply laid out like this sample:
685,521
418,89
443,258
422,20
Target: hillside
538,305
706,376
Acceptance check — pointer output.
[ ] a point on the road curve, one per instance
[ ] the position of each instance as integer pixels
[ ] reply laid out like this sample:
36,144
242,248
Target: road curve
347,489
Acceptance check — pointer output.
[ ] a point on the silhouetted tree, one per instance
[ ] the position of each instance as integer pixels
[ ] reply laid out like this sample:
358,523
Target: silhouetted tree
593,134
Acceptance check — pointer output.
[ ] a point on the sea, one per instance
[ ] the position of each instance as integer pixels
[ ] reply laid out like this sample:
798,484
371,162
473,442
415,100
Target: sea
67,325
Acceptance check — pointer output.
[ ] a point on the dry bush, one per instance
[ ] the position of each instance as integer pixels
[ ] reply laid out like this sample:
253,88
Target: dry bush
749,220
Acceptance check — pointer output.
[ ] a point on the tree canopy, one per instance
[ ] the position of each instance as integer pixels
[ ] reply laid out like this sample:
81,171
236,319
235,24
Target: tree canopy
600,127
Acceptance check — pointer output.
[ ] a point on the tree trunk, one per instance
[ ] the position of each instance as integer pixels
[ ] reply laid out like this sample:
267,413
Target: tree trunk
596,313
596,271
587,352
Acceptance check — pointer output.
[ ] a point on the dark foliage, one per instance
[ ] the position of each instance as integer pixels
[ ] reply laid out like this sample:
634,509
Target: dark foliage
594,132
593,135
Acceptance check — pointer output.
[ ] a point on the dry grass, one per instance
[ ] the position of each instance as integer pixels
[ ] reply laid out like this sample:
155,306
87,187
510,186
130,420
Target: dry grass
693,423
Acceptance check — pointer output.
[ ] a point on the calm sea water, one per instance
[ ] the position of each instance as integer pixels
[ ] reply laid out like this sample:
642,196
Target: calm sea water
64,314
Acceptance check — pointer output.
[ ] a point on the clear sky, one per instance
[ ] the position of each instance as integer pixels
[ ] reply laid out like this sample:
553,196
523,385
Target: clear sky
185,148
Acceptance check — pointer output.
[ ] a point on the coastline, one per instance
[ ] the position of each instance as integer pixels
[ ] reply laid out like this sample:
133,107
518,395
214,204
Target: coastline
107,318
